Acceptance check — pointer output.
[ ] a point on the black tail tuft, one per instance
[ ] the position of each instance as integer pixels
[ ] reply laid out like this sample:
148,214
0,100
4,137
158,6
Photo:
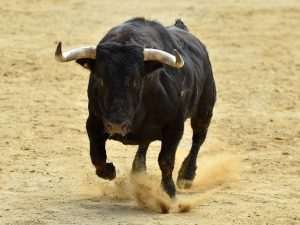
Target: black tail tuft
181,25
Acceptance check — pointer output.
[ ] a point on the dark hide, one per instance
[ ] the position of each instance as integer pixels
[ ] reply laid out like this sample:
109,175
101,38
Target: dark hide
137,102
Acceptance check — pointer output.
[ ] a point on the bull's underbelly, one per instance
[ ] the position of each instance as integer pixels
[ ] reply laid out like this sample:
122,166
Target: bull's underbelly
124,139
144,135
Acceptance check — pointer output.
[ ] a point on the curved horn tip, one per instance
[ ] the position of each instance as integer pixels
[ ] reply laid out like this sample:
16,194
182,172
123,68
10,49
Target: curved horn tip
179,61
58,52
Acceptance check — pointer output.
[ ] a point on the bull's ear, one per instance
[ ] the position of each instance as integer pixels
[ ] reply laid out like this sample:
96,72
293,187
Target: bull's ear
86,63
151,66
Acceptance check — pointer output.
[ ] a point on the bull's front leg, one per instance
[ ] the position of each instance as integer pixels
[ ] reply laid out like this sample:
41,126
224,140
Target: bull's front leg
172,134
139,162
98,139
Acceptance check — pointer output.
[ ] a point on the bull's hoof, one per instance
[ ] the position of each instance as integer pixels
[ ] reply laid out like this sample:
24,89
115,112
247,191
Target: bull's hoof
169,187
138,171
108,172
186,175
184,184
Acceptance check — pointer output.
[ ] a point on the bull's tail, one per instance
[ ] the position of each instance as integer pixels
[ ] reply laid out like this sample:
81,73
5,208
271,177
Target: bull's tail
181,25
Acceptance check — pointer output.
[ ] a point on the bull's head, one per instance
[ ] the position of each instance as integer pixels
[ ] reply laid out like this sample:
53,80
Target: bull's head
119,70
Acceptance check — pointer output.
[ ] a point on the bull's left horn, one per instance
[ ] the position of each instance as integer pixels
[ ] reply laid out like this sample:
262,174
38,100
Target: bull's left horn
175,60
77,53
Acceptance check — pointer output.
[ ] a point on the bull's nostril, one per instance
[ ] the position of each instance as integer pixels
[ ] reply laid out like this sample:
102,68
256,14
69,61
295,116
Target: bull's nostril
125,127
116,128
108,126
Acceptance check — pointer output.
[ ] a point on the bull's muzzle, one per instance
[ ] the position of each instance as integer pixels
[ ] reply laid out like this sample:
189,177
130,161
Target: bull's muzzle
117,128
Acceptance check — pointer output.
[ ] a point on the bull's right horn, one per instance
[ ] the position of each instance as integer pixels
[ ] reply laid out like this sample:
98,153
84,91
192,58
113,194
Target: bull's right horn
77,53
164,57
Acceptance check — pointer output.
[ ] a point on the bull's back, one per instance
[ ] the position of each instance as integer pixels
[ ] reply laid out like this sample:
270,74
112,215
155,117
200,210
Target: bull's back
177,89
196,74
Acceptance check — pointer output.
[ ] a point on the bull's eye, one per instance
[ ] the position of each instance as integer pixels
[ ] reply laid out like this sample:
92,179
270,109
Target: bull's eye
101,82
136,83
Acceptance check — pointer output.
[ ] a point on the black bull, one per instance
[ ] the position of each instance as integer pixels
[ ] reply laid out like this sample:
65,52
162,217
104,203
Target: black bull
137,101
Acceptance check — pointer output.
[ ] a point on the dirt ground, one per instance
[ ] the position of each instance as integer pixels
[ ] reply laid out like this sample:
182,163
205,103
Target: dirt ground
45,172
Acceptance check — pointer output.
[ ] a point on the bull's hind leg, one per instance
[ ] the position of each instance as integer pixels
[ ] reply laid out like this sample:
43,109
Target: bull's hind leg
200,123
188,168
139,162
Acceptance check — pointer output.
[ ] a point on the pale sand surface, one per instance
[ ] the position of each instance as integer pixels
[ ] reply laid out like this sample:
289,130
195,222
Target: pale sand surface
45,172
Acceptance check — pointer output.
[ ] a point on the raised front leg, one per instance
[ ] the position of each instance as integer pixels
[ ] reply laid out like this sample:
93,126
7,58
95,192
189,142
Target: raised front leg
139,162
172,134
98,138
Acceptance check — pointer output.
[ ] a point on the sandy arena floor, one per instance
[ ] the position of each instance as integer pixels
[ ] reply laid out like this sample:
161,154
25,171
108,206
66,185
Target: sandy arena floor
249,167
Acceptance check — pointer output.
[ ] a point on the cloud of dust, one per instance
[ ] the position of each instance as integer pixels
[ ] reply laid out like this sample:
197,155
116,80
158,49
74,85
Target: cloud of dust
215,169
145,190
